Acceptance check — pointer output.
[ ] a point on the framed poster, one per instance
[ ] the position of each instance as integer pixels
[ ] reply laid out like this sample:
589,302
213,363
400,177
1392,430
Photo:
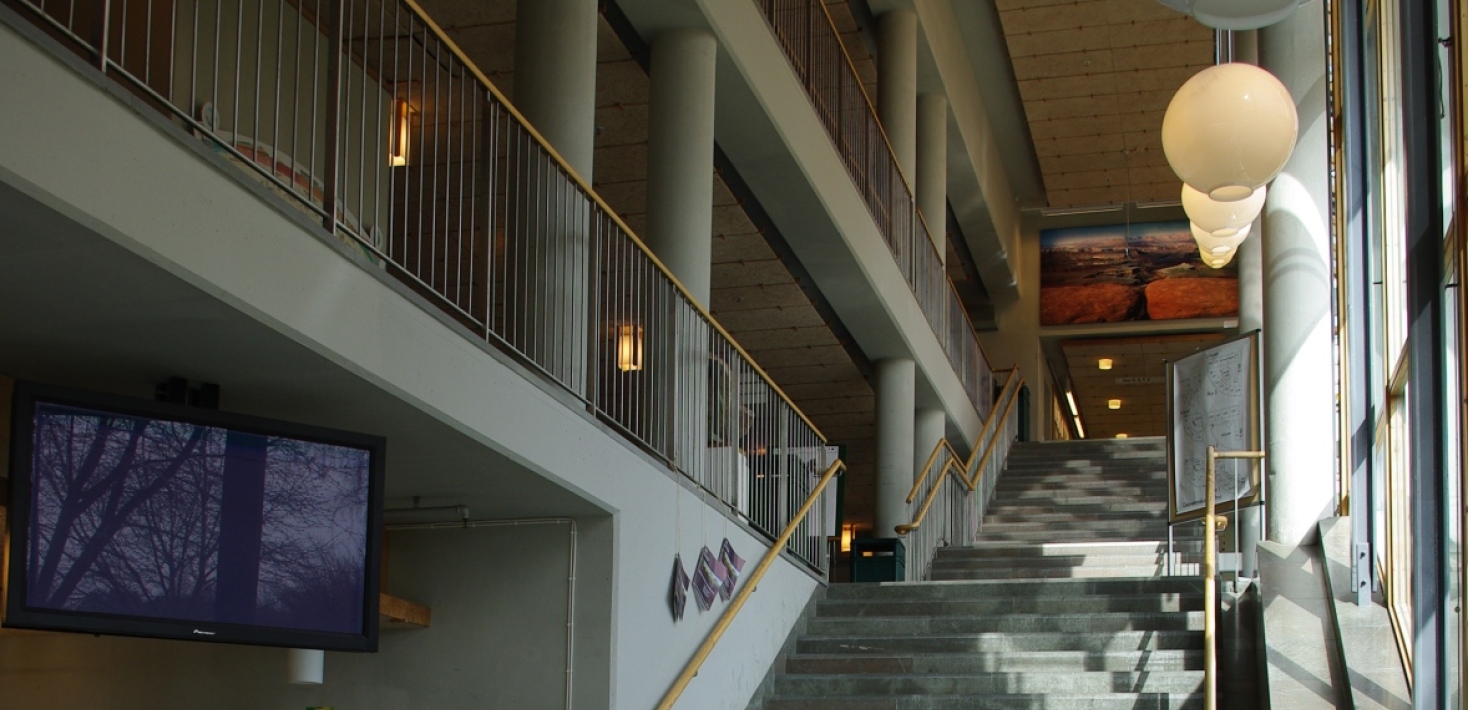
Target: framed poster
1213,399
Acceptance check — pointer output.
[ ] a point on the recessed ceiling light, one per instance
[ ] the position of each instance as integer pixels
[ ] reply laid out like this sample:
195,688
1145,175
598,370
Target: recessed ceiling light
1113,404
1104,363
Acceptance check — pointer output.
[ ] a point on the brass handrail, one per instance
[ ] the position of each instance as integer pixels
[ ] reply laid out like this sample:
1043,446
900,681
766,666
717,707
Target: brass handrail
973,483
978,443
917,520
750,585
988,449
1213,522
592,194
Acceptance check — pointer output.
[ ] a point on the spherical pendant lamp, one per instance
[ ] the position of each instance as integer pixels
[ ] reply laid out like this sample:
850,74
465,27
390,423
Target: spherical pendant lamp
1229,130
1235,14
1221,219
1218,261
1211,246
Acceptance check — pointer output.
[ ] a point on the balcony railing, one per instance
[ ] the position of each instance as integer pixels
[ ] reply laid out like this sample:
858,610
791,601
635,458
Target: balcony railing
804,30
365,116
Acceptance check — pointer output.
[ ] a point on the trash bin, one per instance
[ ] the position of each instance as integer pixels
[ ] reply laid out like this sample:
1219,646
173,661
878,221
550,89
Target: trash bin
877,559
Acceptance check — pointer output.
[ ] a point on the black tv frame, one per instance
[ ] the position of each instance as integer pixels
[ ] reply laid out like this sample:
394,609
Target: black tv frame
17,614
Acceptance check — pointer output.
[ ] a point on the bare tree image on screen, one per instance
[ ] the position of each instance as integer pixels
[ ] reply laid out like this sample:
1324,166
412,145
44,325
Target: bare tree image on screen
153,518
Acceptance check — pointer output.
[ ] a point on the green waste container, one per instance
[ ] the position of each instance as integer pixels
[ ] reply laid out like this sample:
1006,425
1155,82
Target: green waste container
877,559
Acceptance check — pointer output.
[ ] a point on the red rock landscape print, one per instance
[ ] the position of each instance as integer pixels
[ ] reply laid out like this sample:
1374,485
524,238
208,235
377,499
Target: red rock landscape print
1121,273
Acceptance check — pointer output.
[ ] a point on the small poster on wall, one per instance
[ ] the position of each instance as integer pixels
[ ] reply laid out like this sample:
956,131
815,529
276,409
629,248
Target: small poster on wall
678,596
708,576
733,564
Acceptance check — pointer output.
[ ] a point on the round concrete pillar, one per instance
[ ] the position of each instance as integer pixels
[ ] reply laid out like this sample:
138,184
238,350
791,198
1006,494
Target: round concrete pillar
1251,312
1297,364
928,427
897,85
680,156
895,395
932,168
555,74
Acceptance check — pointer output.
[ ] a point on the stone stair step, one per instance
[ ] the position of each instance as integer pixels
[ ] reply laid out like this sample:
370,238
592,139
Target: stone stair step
1158,570
1138,640
1045,549
1073,661
1100,682
1110,701
1061,561
995,517
1086,604
1007,623
991,589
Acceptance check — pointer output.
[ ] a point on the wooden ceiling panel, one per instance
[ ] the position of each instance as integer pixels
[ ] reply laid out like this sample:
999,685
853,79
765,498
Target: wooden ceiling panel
1072,39
1095,73
1066,128
1084,63
1081,145
1065,87
1051,17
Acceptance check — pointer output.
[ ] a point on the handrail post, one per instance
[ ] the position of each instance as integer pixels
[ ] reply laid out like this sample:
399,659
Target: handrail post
1210,588
1212,522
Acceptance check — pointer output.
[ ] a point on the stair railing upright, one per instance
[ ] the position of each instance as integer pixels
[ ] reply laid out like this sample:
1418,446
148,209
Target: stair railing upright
948,515
1212,523
751,584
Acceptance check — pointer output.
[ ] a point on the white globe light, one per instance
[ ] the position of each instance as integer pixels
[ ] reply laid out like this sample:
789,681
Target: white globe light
1213,246
1235,14
1229,130
1222,219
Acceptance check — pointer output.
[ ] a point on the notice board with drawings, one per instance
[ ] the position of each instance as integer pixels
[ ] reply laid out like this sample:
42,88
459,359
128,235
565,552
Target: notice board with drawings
1213,398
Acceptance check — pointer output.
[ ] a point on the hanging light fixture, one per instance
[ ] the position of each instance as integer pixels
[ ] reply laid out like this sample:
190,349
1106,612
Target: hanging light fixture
1212,246
1221,219
1229,130
1235,14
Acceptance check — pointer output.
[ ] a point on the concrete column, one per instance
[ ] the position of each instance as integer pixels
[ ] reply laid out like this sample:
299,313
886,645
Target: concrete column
932,168
680,209
897,85
550,235
1251,311
1298,395
680,156
555,74
928,428
896,388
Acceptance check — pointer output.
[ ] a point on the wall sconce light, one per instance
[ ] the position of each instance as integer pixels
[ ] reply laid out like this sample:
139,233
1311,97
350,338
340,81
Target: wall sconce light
629,348
847,532
402,121
1103,364
1113,404
1121,436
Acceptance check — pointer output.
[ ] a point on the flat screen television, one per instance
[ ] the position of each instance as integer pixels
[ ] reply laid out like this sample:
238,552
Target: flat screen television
141,518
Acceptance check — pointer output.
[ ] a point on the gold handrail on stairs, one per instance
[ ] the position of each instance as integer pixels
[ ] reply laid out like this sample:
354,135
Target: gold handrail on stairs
1213,522
750,585
1014,378
1007,397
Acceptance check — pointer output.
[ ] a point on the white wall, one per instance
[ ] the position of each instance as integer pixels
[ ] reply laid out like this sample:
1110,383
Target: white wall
191,219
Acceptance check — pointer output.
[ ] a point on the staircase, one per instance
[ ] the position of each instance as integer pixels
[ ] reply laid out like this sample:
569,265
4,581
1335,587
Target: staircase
1061,603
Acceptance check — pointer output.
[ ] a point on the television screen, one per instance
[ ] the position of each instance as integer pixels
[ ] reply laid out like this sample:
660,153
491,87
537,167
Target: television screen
141,518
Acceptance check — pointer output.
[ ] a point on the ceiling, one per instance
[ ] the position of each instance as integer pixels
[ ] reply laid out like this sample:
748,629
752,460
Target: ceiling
1095,77
1136,378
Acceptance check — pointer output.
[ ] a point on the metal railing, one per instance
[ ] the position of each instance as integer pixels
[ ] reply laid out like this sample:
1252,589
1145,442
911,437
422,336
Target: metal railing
367,118
949,497
805,31
1212,523
801,518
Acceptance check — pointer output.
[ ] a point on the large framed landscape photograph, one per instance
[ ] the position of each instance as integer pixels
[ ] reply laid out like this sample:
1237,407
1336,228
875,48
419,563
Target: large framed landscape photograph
1121,273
